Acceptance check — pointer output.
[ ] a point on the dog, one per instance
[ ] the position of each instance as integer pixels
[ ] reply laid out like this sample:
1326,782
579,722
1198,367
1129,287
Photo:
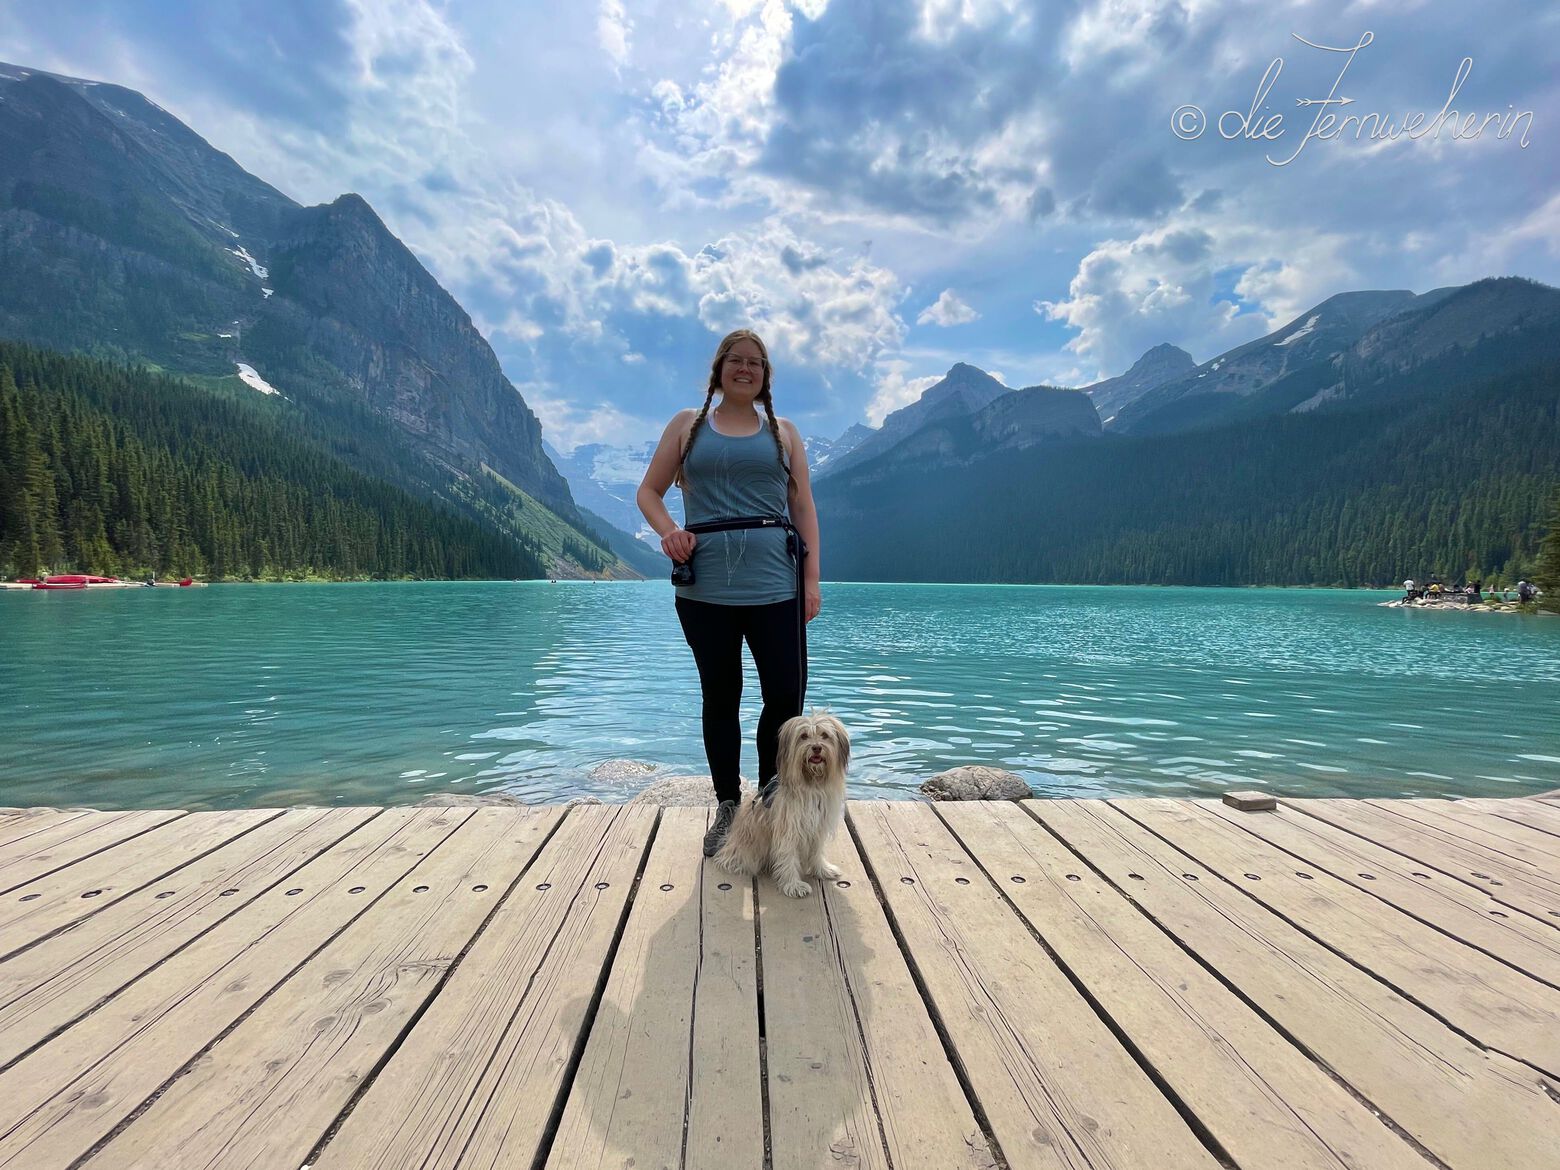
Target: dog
785,827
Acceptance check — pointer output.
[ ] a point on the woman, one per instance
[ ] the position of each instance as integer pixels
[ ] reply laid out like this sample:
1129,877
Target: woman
732,463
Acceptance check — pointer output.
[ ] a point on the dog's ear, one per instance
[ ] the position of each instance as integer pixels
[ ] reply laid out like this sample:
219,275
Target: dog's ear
842,737
791,733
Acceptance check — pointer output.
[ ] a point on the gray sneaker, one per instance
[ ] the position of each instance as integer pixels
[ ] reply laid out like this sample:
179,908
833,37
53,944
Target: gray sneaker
716,837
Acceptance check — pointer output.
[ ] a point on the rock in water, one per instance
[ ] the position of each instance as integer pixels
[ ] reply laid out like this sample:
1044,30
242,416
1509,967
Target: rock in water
976,782
611,771
680,791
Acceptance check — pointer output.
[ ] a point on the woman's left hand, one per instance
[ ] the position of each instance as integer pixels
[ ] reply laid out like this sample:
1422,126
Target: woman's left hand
813,596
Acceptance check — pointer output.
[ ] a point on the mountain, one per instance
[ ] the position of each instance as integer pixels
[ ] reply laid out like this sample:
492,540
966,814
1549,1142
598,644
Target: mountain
961,392
821,451
124,234
604,481
1014,421
1162,364
1352,344
966,416
1444,468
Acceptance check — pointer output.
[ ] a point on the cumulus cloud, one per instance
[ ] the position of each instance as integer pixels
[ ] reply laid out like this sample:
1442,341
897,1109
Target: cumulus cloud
893,390
608,187
1187,283
947,309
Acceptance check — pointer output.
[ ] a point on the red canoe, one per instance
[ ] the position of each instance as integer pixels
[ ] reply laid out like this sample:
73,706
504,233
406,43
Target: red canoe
73,581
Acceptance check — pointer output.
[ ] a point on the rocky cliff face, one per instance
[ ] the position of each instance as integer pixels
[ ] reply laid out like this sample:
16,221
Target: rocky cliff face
1160,365
962,391
356,297
122,232
1317,335
1034,415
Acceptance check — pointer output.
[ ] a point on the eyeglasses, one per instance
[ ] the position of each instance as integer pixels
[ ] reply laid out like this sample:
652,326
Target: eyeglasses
742,363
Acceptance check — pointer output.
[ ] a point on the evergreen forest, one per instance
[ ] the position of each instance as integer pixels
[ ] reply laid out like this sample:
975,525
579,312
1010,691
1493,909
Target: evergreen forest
116,471
1455,482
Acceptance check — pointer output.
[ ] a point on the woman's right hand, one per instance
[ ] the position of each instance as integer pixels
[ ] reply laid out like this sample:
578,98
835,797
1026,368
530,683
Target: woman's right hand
678,544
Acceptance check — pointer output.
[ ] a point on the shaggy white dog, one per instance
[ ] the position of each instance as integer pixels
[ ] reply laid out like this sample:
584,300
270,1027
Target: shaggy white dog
784,827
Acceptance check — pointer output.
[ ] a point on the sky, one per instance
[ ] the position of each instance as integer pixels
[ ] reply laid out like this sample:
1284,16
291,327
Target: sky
1045,189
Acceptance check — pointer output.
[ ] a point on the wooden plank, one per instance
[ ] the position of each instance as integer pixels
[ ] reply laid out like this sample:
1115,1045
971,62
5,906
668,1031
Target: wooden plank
820,1098
25,824
1473,1110
266,1093
1520,887
70,840
59,1100
1536,814
45,988
1511,846
477,1079
92,885
1261,1098
629,1100
1460,910
856,1071
1058,1089
725,1101
1533,844
1499,1007
925,1115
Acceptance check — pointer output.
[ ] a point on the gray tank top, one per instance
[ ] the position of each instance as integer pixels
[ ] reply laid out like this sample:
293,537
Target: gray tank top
728,477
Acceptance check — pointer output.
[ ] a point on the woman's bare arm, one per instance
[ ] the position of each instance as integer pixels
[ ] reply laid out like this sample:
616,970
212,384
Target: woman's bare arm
804,514
676,542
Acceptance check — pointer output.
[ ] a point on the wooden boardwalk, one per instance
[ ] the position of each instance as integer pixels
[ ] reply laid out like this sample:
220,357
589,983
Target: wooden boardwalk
1133,984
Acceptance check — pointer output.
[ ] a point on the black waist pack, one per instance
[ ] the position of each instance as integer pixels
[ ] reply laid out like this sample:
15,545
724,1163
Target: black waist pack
795,546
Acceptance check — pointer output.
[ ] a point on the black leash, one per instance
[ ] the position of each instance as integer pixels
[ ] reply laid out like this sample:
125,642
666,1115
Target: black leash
796,548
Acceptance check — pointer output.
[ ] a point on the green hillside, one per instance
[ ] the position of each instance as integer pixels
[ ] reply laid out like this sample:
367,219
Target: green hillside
113,470
1453,478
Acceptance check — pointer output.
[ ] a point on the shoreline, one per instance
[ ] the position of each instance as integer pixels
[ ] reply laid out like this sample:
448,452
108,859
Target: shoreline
131,584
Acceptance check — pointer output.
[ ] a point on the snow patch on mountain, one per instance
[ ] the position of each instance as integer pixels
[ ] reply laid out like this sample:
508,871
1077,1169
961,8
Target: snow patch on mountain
251,378
260,270
1308,327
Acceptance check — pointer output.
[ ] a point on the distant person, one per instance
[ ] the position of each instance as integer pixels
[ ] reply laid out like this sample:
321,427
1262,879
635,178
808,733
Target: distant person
1526,592
735,464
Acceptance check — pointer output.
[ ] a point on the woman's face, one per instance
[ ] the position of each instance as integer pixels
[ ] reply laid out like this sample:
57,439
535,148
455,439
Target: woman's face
742,372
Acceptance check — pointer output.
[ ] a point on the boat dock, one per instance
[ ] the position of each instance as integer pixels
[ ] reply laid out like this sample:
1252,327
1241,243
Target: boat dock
1136,984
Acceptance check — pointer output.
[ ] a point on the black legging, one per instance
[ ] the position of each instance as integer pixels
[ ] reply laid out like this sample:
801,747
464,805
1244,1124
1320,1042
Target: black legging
715,634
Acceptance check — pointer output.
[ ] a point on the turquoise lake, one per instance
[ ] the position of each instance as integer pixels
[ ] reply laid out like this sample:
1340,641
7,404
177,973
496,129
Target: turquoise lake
265,695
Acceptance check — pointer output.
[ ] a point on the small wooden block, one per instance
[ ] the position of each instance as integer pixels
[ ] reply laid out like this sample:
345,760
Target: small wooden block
1251,801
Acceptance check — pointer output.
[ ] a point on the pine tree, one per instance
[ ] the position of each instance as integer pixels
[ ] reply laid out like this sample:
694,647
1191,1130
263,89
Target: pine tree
1547,574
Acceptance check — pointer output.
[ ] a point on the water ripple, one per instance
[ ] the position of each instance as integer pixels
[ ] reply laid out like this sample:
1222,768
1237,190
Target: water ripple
379,694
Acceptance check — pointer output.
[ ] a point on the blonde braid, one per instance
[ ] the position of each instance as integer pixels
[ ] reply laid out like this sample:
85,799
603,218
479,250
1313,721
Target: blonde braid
693,432
774,429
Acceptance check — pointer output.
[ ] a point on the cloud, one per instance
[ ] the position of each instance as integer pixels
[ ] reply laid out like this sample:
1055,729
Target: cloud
608,187
613,29
947,309
1169,284
893,390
